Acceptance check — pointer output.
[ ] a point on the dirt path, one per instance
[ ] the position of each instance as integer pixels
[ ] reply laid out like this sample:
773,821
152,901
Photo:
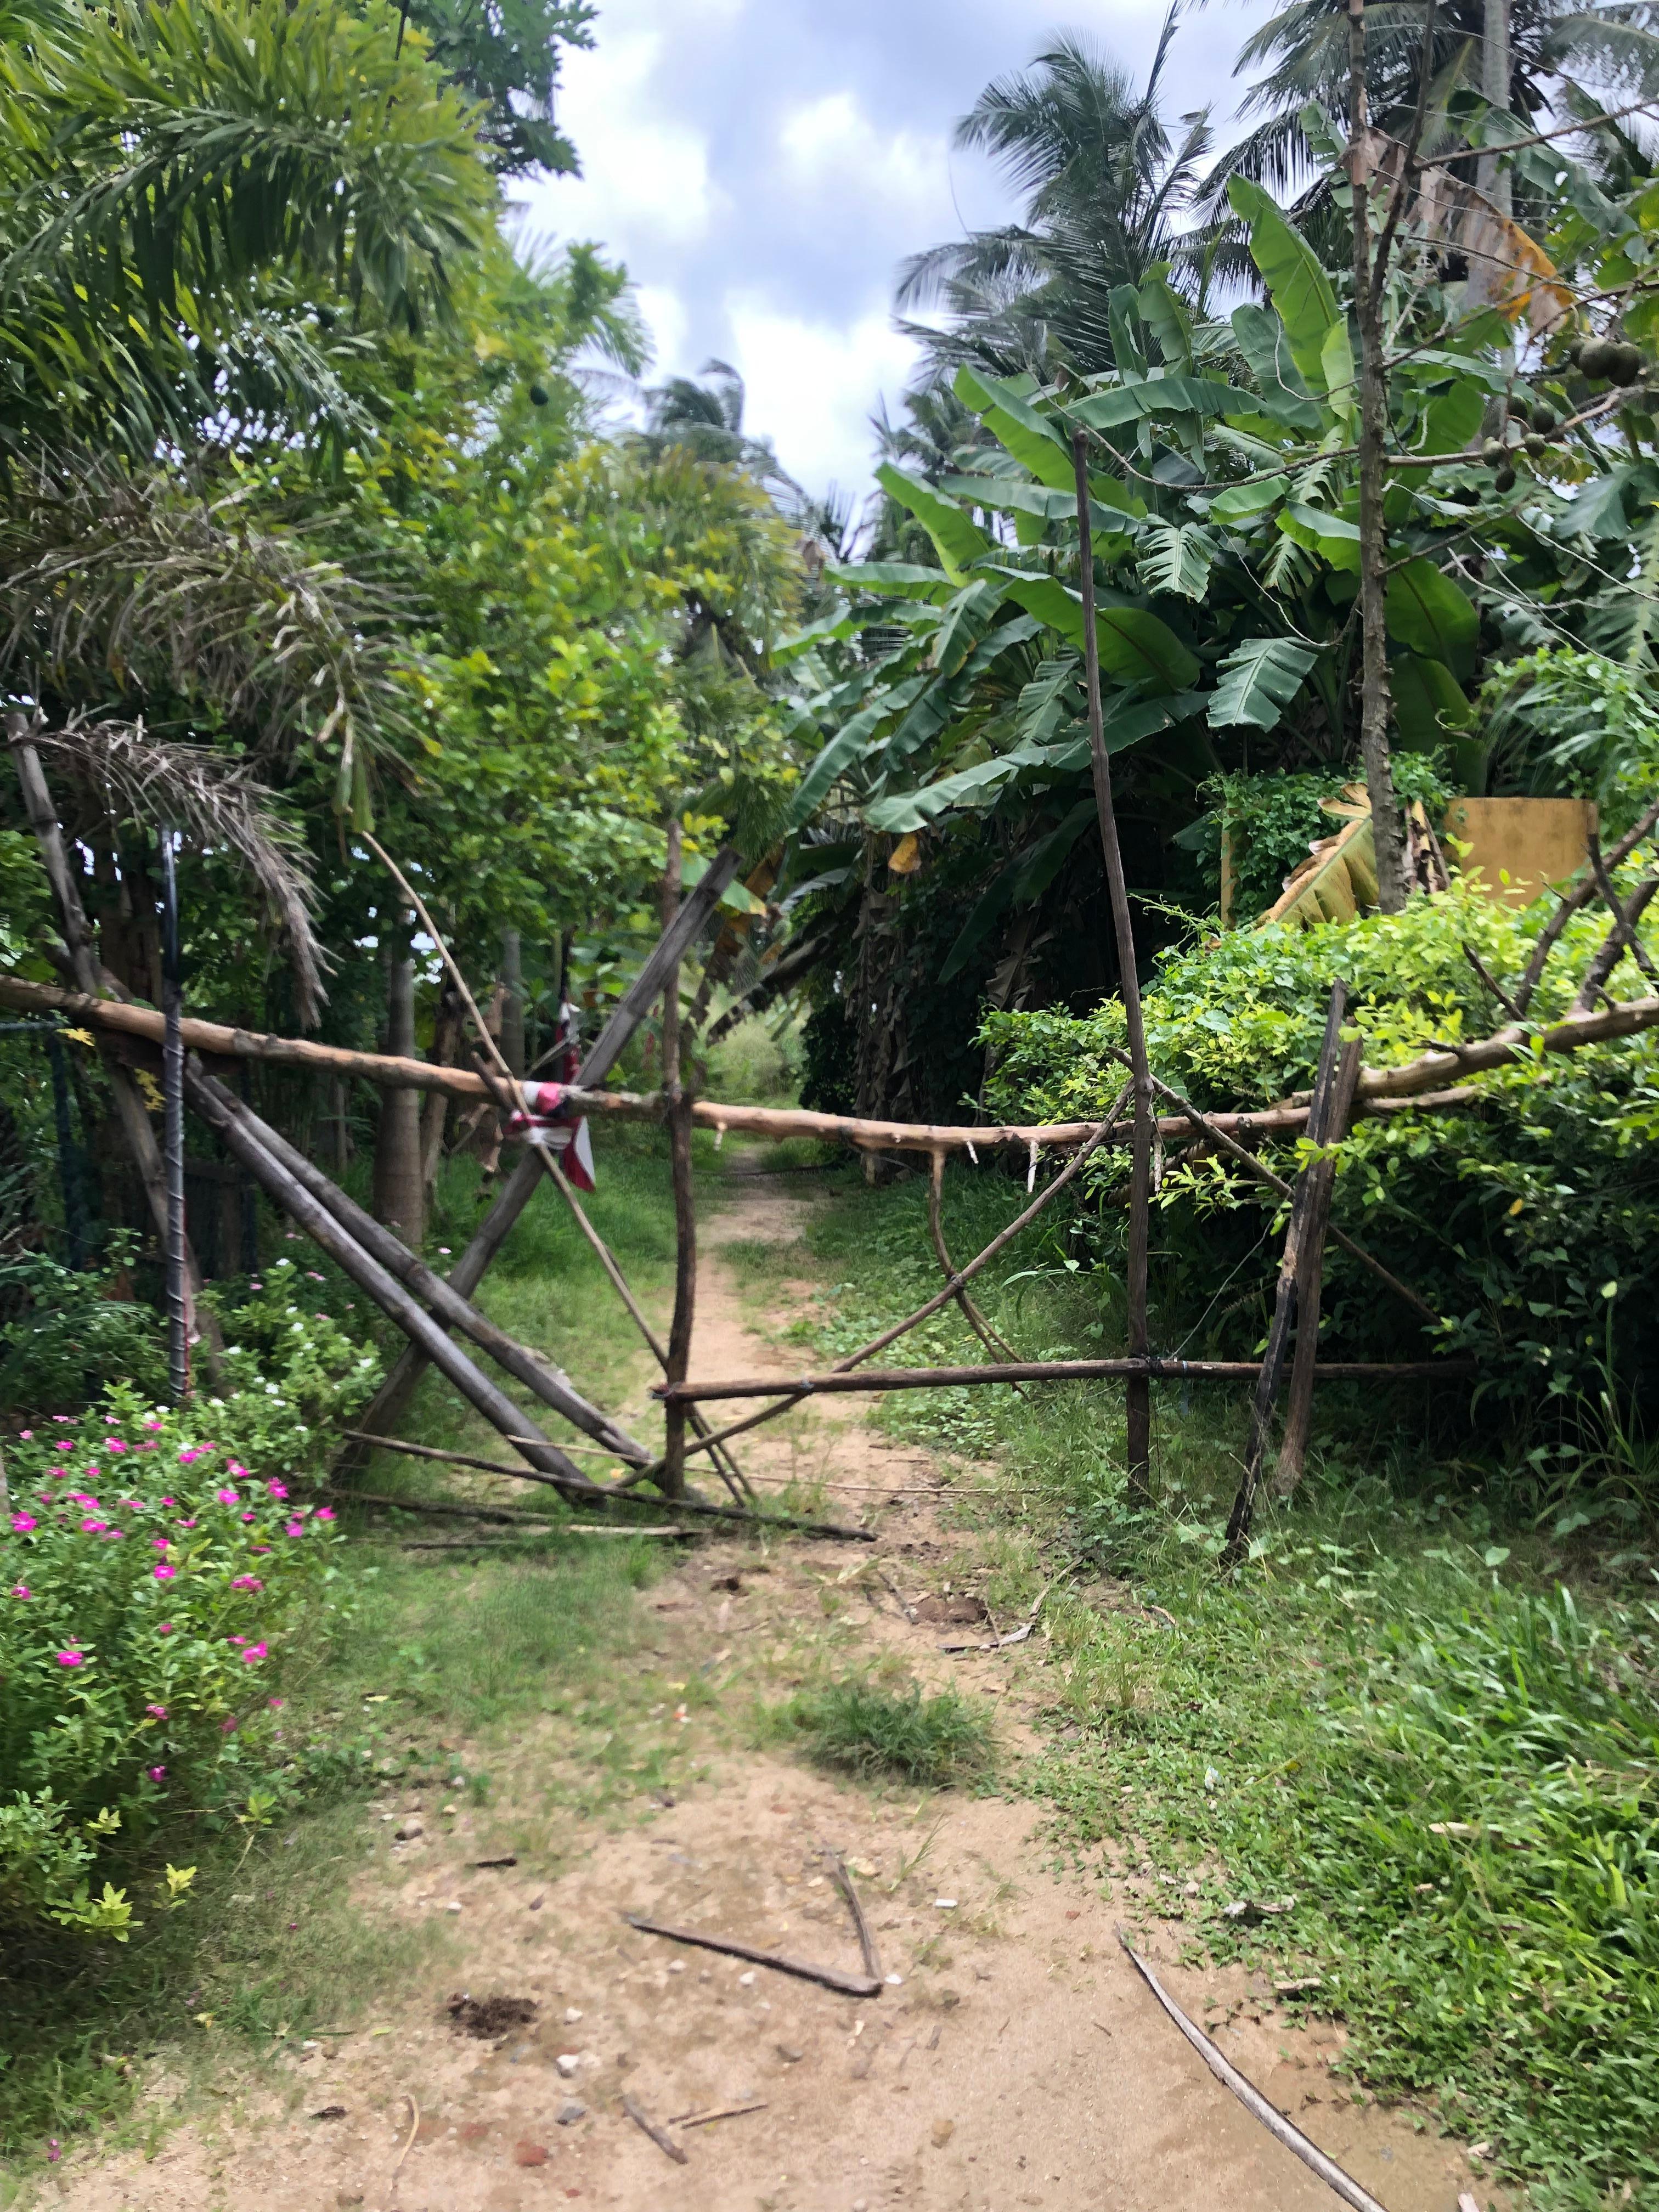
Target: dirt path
1011,2059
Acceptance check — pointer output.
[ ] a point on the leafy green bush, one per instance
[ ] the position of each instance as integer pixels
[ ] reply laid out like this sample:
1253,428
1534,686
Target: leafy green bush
1530,1222
862,1727
72,1336
150,1584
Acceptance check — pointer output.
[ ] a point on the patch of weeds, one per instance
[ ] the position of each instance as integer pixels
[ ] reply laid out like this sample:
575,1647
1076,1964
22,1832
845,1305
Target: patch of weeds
861,1727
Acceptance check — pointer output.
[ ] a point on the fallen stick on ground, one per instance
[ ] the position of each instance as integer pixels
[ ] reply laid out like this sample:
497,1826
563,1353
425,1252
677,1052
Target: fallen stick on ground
646,2125
843,1882
545,1530
828,1978
1014,1635
720,2113
1251,2096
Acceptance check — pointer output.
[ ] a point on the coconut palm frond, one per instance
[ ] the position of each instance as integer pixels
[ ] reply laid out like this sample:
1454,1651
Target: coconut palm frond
115,583
219,806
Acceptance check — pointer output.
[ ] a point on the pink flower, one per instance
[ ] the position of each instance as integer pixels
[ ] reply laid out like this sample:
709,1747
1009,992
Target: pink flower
55,1473
68,1417
227,1498
324,1512
277,1489
91,1474
54,2150
109,1420
236,1639
166,1572
114,1535
157,1774
156,1712
237,1468
187,1524
246,1582
230,1727
188,1456
160,1543
276,1704
23,1522
254,1651
296,1527
247,1517
91,1528
152,1420
27,1435
20,1590
258,1547
166,1629
71,1658
312,1276
169,1501
116,1444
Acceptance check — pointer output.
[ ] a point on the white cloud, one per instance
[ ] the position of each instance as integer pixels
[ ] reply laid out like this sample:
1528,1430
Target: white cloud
811,386
669,321
645,177
832,149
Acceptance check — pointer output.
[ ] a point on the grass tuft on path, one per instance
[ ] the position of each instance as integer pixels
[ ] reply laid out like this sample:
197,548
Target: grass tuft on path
861,1727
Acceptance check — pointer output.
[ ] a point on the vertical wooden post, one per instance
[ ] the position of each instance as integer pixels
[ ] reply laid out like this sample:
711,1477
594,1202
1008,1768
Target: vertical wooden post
400,1193
173,1093
83,961
513,1003
1138,1390
672,1484
1388,831
1310,1276
1279,1334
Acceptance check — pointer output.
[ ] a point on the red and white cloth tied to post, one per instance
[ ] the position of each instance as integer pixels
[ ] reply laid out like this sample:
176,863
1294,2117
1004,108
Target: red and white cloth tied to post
548,1121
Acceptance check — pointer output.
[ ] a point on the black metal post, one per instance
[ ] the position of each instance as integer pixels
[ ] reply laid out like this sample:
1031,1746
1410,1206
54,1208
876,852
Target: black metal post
172,1147
69,1165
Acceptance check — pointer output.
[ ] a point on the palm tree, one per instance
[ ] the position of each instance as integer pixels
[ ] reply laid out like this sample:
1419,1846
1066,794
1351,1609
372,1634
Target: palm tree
1562,58
1105,187
706,419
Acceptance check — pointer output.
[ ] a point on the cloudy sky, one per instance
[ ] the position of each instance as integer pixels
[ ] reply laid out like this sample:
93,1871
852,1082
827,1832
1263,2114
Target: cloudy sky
763,165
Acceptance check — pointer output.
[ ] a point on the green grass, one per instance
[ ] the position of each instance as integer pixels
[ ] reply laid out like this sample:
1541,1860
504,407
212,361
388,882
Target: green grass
863,1727
1416,1712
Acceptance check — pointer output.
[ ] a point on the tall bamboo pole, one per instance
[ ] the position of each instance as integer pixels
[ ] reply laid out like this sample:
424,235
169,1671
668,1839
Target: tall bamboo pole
1137,1389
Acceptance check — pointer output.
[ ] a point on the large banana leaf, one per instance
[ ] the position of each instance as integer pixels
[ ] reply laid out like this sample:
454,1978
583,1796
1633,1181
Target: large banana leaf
1258,680
1301,290
959,537
1135,647
1427,613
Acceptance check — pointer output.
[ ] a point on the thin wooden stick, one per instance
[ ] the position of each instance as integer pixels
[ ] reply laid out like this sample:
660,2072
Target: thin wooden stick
725,1466
391,1400
722,2112
1634,944
1101,1131
615,1495
1620,939
1572,901
1206,1125
672,1478
837,1383
646,2125
829,1977
843,1882
1310,1275
1279,1333
1281,2130
1137,1396
990,1338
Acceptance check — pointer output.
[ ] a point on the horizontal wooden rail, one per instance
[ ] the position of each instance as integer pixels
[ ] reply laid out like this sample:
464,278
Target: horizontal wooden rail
1050,1370
1417,1086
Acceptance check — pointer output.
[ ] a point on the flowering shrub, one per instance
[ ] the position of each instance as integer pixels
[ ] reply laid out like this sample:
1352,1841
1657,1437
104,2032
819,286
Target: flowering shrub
150,1582
290,1368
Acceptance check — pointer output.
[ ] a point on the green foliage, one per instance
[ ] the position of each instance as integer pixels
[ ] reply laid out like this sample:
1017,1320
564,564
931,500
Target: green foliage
1271,821
151,1586
1559,716
859,1726
1527,1222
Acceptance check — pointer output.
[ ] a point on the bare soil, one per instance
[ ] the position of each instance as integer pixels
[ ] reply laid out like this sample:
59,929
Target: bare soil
1012,2057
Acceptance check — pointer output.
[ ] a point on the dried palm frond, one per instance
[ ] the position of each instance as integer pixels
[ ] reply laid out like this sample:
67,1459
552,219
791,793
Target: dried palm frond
218,804
142,579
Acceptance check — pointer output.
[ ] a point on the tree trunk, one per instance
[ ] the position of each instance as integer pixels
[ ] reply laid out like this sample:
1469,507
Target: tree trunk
399,1198
513,1002
435,1114
1386,826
